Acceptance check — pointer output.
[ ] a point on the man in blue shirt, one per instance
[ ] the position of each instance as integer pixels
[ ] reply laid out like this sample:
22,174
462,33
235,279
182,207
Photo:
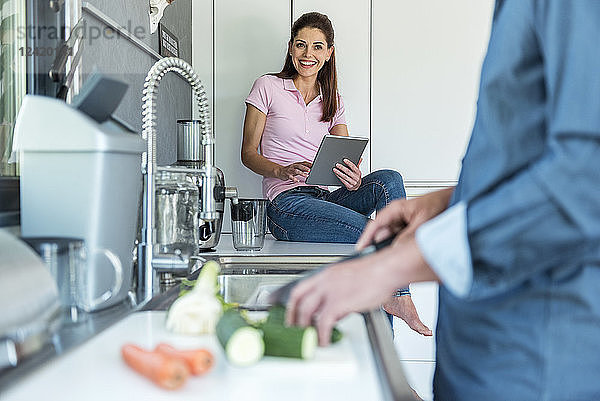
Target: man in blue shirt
516,245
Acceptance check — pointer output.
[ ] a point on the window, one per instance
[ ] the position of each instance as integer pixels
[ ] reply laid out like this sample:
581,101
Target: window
12,75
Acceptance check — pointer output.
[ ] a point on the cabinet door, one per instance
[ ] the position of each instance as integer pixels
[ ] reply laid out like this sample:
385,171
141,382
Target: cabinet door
250,40
427,58
351,23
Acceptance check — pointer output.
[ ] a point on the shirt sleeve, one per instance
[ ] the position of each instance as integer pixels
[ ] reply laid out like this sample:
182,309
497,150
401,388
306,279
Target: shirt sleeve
340,114
260,96
444,243
544,220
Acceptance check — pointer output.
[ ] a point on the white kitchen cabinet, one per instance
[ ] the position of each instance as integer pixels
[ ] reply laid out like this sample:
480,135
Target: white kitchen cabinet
426,62
351,23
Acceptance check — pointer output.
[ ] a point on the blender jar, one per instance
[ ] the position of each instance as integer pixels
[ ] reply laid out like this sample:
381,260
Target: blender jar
176,213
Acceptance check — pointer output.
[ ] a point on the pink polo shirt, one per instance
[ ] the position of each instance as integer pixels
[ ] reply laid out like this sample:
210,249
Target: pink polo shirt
293,130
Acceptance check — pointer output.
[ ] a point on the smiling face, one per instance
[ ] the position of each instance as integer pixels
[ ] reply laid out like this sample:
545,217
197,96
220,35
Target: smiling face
309,51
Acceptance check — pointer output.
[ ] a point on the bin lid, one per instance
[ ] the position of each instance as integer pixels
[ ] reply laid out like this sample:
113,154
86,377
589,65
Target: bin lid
46,124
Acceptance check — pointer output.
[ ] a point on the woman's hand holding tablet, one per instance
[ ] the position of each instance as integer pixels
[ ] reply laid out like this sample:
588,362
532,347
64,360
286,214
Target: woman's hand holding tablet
332,151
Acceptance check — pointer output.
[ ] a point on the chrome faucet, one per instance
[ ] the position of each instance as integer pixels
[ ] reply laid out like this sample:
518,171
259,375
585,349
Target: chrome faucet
150,263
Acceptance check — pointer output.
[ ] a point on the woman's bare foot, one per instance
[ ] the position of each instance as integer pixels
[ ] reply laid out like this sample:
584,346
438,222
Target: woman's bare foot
404,308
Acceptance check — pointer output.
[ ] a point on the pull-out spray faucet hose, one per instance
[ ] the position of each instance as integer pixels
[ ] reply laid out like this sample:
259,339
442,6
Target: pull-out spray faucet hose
149,110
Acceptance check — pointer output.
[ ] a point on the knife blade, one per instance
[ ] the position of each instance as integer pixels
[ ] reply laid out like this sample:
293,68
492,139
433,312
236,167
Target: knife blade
282,294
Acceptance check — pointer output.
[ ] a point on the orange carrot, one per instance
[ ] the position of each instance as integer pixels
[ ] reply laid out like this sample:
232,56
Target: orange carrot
199,361
167,372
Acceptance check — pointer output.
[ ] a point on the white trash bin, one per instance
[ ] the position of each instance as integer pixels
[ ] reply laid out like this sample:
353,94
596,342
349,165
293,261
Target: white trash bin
81,179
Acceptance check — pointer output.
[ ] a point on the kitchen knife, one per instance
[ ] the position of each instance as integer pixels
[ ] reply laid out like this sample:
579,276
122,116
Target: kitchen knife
282,294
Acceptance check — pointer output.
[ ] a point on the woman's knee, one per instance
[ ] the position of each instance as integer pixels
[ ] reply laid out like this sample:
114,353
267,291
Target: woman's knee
277,231
327,226
391,181
388,176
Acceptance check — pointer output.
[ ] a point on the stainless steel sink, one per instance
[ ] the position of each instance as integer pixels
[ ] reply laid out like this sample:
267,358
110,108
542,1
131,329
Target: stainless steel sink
272,264
264,264
247,280
251,291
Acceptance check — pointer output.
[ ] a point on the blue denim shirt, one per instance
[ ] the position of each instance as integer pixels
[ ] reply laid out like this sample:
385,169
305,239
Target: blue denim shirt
527,326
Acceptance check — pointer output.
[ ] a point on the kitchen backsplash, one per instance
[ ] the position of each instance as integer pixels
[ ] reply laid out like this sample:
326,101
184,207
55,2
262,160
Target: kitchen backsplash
121,59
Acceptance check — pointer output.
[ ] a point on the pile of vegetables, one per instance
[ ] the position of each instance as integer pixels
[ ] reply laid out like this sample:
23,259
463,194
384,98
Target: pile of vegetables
201,310
166,365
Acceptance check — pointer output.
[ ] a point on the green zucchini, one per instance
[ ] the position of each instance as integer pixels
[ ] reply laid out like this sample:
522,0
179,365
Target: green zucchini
290,342
277,316
243,344
336,335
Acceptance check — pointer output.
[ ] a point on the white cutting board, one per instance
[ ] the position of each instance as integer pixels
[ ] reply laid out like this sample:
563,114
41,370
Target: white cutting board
95,371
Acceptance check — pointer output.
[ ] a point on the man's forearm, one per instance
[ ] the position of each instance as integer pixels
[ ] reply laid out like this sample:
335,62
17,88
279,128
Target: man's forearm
445,195
405,263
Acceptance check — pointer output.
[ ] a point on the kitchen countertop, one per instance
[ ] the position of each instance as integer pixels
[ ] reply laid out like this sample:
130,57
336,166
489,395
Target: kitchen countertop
71,335
275,247
68,336
363,367
95,371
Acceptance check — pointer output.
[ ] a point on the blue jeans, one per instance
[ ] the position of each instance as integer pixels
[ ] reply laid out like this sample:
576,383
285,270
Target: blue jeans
311,214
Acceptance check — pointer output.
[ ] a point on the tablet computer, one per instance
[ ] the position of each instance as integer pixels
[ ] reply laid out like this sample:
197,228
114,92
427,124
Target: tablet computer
334,149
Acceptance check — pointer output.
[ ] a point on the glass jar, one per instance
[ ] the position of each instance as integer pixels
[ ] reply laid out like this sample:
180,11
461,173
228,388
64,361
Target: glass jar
176,213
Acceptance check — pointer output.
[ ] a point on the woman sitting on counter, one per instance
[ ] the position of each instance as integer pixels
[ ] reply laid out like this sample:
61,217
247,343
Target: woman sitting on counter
287,115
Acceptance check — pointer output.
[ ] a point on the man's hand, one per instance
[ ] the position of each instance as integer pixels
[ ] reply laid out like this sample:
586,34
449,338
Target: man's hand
330,295
349,174
293,170
404,215
355,285
404,308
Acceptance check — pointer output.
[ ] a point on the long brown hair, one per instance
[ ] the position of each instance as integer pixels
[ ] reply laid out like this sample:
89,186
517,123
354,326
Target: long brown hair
327,76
